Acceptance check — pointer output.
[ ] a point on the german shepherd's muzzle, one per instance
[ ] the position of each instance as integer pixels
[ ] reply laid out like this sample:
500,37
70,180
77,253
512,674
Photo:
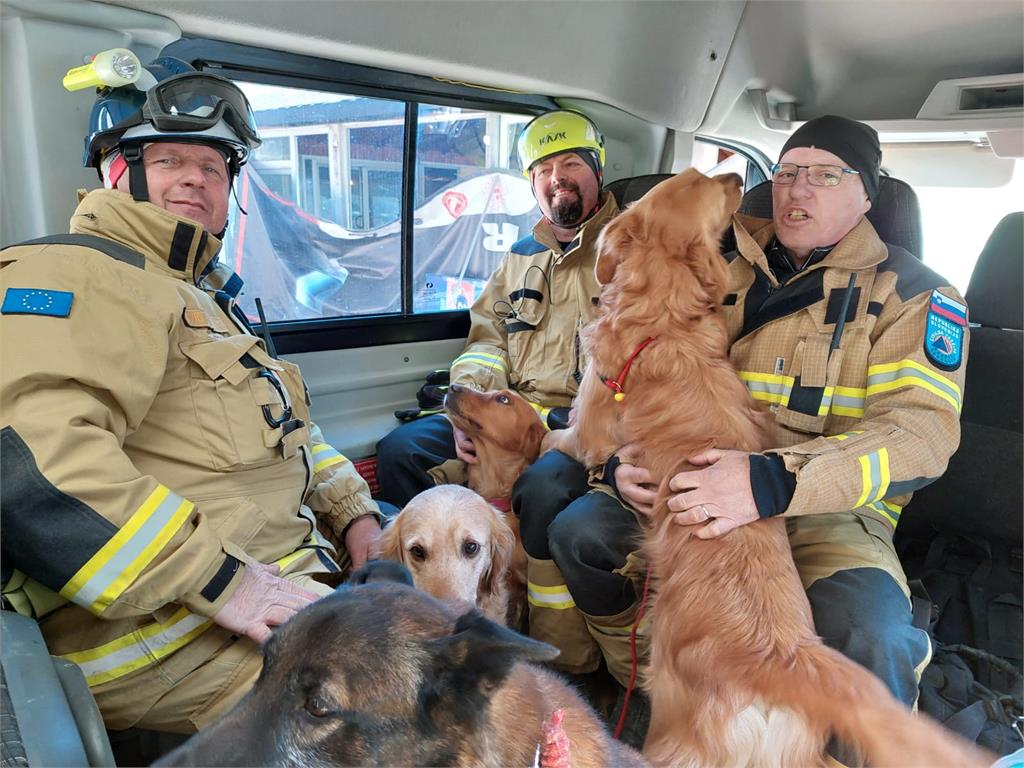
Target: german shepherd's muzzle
381,674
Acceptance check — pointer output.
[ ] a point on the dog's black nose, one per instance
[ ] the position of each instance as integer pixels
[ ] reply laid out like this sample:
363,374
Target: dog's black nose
381,570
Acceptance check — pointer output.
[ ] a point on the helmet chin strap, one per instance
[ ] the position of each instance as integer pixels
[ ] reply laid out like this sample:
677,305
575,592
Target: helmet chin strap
136,172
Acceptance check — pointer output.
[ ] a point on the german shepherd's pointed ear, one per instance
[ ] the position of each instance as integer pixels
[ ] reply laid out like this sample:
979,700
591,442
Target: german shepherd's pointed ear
381,570
480,653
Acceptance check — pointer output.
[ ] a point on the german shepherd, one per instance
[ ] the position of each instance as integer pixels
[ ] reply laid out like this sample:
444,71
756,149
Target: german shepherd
382,674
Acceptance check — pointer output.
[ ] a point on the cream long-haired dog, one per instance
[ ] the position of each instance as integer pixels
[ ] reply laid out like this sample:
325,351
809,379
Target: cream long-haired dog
457,547
738,676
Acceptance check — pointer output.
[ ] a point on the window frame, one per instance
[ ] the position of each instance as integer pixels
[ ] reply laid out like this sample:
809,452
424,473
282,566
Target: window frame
272,67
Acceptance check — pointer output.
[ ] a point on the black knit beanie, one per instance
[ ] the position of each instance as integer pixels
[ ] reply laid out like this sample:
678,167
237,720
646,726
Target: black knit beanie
855,143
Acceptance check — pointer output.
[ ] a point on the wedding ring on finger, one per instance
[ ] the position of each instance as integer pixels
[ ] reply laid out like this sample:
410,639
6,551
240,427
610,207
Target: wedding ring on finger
707,515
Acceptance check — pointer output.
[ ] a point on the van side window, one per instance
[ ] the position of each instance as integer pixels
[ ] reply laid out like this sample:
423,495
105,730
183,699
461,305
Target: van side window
713,159
323,237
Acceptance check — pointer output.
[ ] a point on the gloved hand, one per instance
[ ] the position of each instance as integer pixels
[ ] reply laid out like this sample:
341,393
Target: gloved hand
559,418
263,600
430,397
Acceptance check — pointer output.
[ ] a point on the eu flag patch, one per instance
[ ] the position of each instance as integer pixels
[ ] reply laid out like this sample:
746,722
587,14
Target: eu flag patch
37,301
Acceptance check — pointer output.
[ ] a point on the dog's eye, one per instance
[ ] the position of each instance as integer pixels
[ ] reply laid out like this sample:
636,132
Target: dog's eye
418,552
470,548
503,399
317,706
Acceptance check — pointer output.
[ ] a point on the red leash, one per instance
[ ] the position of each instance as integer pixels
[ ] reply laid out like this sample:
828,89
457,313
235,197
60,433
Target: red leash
632,655
619,381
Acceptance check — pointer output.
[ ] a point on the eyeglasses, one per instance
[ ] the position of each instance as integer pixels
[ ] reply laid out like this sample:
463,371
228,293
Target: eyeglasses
785,174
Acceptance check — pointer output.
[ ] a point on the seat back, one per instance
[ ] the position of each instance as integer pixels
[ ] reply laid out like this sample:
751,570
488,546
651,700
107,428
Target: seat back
626,191
982,492
895,214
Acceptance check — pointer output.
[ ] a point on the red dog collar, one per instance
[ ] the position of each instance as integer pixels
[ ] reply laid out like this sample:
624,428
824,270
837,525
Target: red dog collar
619,381
504,504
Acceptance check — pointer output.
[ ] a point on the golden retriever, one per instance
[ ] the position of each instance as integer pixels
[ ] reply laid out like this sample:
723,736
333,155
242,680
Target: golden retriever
737,674
507,433
457,547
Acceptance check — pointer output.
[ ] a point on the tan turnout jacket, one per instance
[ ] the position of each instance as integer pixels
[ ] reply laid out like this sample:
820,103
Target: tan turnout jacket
148,448
526,323
864,426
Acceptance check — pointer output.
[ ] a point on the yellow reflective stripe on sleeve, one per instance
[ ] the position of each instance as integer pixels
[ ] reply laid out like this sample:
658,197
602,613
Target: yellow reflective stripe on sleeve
848,401
908,373
483,358
118,563
874,473
325,456
556,597
889,511
141,648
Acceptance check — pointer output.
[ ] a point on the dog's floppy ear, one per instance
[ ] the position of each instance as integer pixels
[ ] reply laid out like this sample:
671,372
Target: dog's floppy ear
481,652
389,545
503,542
381,570
532,439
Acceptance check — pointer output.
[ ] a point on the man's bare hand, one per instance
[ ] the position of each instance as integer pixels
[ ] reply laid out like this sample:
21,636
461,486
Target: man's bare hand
360,539
718,497
262,600
635,484
464,447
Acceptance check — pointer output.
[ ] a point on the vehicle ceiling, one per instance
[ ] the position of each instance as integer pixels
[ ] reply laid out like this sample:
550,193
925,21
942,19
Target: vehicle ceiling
658,60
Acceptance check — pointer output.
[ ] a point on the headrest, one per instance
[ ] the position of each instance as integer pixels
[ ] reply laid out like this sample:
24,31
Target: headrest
995,295
895,214
626,191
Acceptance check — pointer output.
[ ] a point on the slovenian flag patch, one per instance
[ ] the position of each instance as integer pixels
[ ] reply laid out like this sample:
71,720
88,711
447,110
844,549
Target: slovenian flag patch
945,307
944,336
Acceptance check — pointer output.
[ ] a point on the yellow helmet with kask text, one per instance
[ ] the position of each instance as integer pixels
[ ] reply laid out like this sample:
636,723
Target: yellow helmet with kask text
556,132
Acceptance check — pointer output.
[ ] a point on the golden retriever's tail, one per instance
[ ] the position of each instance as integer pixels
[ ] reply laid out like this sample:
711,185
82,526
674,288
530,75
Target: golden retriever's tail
836,694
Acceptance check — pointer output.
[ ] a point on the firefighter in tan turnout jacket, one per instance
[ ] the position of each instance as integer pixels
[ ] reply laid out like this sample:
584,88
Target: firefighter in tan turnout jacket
162,480
859,350
524,332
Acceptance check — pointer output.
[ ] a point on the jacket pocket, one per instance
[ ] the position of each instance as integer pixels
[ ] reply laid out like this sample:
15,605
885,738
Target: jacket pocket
814,374
521,330
235,398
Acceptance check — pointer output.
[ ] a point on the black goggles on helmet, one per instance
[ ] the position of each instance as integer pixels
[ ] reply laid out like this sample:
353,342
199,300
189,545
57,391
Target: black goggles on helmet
196,101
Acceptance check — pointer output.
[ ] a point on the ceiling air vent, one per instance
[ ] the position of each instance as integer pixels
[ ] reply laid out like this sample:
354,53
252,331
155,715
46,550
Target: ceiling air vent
998,98
992,97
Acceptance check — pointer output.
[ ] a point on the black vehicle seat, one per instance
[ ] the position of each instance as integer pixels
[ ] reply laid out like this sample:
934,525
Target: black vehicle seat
895,214
982,492
626,191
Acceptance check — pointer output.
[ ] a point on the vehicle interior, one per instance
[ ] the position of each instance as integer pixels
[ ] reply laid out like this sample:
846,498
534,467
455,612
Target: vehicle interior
387,189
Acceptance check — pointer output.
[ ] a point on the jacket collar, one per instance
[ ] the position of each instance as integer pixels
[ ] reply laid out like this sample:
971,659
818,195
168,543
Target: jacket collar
860,249
586,235
174,245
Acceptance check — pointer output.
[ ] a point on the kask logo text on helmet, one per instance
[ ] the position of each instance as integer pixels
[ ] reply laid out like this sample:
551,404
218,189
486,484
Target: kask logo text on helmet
553,137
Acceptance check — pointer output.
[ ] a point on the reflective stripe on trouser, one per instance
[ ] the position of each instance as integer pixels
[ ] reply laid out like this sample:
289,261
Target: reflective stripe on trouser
555,619
612,634
860,600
